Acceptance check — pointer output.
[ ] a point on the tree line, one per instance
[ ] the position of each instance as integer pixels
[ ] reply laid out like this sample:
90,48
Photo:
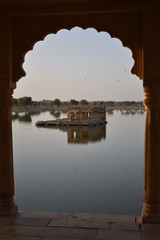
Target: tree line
27,101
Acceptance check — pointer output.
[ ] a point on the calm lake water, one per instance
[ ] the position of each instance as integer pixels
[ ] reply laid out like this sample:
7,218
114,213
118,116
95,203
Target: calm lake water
95,170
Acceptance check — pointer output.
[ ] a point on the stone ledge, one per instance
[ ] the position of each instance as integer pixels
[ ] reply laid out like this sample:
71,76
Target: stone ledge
75,226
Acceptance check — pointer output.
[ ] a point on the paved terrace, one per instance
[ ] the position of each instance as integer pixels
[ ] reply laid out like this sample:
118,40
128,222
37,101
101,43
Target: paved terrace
63,226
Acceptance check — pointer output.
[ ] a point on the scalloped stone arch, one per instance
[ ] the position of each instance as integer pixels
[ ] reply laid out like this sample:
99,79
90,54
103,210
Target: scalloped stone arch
42,38
135,22
29,30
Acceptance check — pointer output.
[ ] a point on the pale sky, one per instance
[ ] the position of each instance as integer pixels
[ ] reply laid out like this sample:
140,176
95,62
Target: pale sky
79,64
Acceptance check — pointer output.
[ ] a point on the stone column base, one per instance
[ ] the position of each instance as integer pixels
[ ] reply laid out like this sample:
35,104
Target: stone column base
8,207
151,213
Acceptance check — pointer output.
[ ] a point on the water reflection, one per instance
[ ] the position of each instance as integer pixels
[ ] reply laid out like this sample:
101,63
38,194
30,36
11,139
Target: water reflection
27,116
110,111
84,134
90,171
34,113
22,117
56,114
14,116
131,112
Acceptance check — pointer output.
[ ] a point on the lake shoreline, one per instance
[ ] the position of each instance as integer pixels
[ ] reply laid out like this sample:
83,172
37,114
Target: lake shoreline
18,109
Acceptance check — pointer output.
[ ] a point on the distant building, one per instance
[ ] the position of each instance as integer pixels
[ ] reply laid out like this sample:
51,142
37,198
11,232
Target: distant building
88,115
79,116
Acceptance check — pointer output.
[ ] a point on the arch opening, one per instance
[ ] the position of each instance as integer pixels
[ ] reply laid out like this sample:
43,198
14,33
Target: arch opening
120,58
84,88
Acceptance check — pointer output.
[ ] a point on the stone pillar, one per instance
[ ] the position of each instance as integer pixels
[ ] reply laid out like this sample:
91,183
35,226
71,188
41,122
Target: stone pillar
86,115
90,115
77,115
151,184
72,115
83,115
7,206
69,115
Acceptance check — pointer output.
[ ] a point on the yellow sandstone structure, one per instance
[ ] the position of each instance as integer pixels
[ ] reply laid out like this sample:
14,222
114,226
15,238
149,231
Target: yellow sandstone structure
79,116
92,115
135,22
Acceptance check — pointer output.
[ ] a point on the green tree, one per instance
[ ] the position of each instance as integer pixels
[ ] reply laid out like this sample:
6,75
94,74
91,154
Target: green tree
83,102
57,102
14,101
110,103
94,103
101,103
74,102
25,101
57,114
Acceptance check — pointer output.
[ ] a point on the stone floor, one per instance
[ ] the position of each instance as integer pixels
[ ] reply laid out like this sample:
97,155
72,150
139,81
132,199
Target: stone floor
63,226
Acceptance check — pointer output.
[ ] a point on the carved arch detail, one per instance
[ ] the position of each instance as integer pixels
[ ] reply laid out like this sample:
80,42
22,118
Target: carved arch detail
29,30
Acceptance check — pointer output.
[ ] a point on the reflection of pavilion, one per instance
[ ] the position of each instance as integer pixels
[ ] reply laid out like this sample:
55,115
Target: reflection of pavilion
85,134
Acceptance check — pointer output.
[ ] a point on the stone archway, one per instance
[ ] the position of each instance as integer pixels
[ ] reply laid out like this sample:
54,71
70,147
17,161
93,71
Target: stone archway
34,29
136,24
